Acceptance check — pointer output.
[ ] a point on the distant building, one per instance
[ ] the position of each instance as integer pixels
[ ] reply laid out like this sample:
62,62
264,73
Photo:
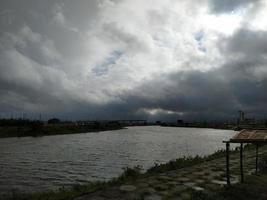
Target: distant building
245,123
135,122
112,122
241,116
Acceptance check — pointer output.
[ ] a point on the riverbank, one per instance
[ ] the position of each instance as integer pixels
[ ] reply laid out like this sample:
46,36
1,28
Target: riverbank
54,129
191,125
185,178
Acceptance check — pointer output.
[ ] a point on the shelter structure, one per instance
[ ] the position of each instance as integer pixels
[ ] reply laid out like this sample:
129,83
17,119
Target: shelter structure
256,137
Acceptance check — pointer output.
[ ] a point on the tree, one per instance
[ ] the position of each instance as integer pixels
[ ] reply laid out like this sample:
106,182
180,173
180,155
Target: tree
53,121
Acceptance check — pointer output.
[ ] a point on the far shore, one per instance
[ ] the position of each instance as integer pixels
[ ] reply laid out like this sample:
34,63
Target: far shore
55,129
38,130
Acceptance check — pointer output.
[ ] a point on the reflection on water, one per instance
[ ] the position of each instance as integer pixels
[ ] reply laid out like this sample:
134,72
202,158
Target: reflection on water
42,163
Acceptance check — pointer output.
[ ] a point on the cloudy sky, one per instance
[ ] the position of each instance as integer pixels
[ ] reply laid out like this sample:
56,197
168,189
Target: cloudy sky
125,59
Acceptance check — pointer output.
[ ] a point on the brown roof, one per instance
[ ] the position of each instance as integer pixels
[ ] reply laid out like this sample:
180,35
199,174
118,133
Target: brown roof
250,136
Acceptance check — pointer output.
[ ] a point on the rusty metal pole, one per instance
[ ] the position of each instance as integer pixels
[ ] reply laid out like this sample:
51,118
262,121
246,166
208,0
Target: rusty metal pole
227,164
257,151
241,163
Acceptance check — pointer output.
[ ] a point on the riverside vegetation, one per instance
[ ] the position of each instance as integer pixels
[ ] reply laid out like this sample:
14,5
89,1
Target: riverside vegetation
161,177
35,128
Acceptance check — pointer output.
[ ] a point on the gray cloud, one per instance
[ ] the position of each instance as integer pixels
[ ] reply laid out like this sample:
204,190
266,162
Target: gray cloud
225,6
248,43
240,83
115,59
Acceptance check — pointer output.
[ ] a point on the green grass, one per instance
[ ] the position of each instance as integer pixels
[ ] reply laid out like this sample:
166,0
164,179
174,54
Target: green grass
185,162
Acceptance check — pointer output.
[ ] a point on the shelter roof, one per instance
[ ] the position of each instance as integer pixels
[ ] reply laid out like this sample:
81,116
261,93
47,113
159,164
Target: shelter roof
251,136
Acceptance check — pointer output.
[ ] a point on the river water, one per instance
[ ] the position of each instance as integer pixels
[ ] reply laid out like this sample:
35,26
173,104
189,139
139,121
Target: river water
42,163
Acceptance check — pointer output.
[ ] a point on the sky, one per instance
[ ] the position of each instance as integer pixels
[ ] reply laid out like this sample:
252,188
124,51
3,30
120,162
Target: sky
125,59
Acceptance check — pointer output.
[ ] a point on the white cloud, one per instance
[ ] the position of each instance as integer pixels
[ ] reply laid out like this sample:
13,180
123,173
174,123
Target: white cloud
159,111
153,40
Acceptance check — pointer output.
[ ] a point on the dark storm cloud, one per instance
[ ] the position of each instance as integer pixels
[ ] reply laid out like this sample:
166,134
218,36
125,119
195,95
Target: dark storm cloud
247,66
248,43
239,84
194,95
217,94
33,41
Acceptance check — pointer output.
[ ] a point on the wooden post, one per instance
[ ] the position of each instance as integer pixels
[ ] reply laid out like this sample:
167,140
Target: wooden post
227,164
241,163
257,150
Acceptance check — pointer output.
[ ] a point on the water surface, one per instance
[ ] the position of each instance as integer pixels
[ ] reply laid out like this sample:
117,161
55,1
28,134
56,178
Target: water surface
38,164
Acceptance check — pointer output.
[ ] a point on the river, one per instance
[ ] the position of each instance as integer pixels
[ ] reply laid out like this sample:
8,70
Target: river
32,164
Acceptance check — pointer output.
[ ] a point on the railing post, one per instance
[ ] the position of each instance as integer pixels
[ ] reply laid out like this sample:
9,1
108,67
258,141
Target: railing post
241,163
227,164
257,150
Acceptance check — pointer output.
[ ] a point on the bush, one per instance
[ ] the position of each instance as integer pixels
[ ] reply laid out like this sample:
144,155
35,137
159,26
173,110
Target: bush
130,174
